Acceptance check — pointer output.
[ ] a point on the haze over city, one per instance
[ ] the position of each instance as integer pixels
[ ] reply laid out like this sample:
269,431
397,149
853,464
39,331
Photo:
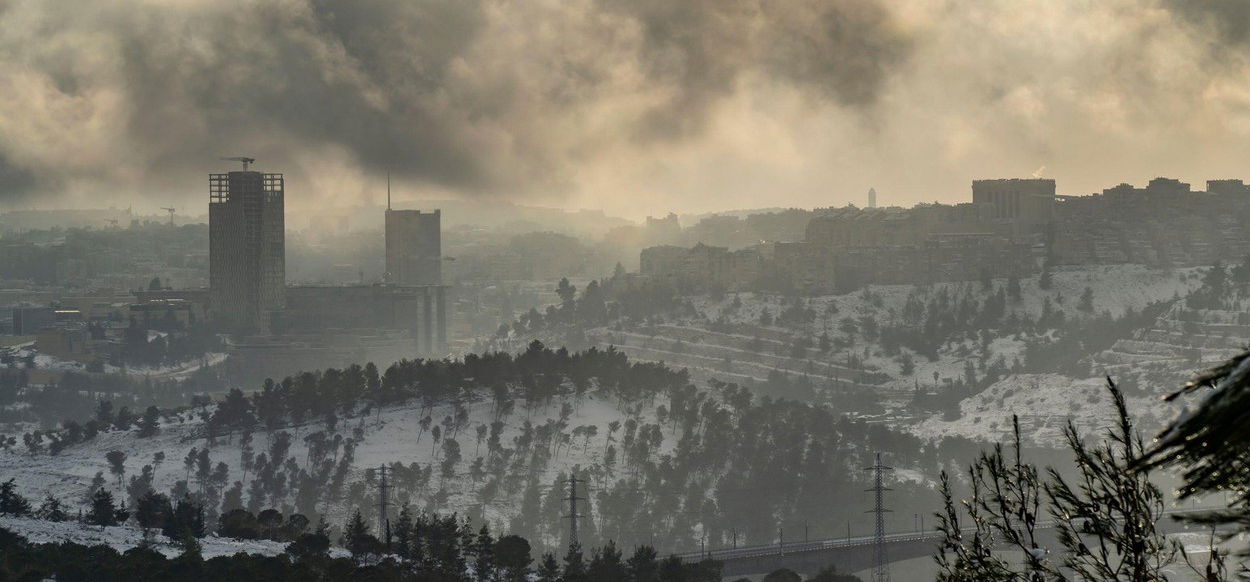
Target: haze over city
634,107
625,290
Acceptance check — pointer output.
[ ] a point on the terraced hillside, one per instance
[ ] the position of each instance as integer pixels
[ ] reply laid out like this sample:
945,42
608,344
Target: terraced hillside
1181,342
1194,333
748,338
735,356
935,355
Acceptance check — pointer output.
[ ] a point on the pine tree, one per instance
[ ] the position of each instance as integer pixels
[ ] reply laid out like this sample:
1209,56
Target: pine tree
512,554
484,562
97,483
233,498
356,535
191,550
548,569
52,509
1105,520
140,484
117,465
642,566
151,509
1130,548
11,503
103,511
187,516
575,565
149,425
104,413
606,565
1211,444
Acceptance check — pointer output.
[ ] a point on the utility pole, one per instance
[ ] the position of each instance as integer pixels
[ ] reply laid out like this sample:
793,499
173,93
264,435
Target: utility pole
880,568
572,516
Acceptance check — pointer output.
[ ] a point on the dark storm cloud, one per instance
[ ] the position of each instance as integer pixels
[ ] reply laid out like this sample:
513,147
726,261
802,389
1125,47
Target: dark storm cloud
15,182
282,77
1226,21
425,88
842,51
639,106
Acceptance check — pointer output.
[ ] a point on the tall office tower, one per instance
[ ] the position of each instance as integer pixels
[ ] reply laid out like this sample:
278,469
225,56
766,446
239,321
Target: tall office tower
872,197
414,248
247,249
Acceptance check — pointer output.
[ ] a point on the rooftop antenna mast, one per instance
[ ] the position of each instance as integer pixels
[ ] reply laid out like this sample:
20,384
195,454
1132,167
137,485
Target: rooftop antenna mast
246,161
388,189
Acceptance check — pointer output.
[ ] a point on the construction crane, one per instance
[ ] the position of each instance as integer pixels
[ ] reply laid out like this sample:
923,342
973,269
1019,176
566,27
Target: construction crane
246,161
171,214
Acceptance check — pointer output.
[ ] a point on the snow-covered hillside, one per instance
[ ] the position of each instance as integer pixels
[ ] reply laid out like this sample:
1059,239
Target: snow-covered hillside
393,435
752,349
1045,403
1115,287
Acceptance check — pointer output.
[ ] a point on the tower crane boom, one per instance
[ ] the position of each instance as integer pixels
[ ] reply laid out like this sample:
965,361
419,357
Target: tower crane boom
246,161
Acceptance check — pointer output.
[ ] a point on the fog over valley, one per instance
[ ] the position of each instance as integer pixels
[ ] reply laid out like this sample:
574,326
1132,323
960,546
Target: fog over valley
624,291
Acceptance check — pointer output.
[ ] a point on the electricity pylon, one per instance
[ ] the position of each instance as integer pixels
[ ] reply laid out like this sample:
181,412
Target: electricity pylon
880,566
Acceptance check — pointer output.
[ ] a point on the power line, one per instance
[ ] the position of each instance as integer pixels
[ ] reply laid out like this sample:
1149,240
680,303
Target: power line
573,515
881,566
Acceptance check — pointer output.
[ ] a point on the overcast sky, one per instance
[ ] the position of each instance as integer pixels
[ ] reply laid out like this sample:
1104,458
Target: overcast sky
634,106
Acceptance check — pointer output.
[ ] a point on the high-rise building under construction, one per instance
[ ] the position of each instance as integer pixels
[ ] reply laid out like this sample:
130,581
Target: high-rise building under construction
247,249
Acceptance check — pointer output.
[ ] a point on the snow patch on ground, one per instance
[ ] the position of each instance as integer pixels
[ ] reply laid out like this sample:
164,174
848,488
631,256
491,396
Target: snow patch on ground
1045,404
122,538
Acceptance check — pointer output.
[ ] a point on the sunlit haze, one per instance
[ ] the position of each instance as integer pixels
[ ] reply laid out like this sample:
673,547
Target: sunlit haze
638,107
